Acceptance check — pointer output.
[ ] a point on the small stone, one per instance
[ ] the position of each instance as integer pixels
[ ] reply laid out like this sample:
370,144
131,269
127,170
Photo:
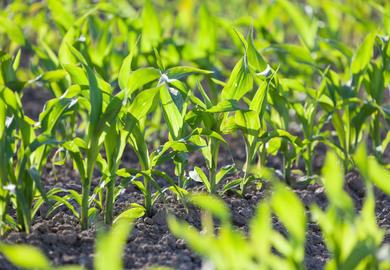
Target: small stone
69,258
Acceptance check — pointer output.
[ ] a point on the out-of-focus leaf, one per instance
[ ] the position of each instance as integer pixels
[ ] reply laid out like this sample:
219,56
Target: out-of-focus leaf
212,204
364,54
109,246
151,29
25,256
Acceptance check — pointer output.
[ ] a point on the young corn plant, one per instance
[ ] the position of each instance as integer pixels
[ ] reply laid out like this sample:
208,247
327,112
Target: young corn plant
230,249
103,109
354,240
216,119
24,153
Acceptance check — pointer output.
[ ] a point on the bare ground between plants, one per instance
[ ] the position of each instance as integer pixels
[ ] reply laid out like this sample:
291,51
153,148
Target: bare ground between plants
151,244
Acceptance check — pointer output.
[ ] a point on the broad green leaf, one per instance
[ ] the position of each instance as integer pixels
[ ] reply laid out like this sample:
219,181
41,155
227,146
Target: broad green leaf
207,39
364,54
226,105
307,29
213,205
144,101
61,16
125,71
151,29
77,74
135,211
228,169
140,77
255,60
25,256
296,227
172,113
54,110
334,180
96,99
198,175
379,175
240,81
298,53
54,76
110,246
249,123
178,72
273,145
13,30
259,101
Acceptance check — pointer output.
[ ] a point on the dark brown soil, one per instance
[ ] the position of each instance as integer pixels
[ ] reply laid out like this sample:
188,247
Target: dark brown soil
151,244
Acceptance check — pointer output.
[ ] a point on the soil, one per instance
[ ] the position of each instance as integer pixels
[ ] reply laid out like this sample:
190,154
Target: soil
151,244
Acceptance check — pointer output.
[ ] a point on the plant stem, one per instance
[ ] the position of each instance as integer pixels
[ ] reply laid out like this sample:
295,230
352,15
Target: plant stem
214,148
110,201
148,196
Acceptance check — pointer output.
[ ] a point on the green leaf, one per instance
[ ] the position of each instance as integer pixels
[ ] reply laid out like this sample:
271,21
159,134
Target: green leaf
144,102
255,60
228,169
178,72
212,204
77,74
140,77
226,105
198,175
172,113
307,29
54,75
249,123
55,108
379,175
96,99
298,53
136,211
259,101
13,30
109,246
151,29
125,70
240,81
207,38
333,181
61,16
364,54
296,227
25,256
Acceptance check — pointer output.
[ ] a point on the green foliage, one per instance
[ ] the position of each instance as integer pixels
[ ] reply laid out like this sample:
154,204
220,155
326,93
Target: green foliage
169,78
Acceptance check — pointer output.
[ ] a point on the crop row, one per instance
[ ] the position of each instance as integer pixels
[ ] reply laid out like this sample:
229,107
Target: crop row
117,79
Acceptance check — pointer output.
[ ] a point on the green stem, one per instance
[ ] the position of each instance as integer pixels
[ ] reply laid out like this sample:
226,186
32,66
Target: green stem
109,213
148,196
214,149
84,205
